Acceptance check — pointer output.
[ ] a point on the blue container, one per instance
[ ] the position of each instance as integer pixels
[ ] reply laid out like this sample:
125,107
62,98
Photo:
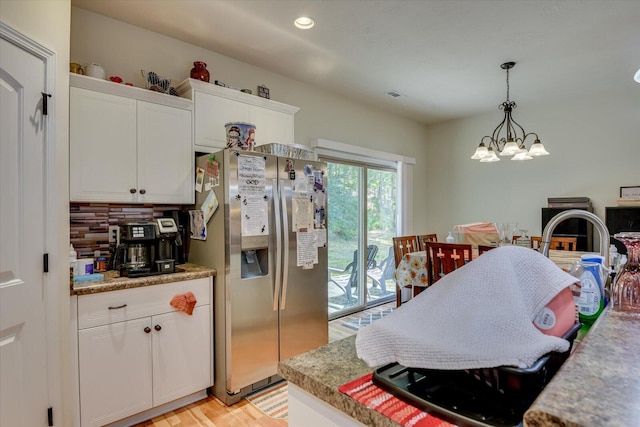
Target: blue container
592,299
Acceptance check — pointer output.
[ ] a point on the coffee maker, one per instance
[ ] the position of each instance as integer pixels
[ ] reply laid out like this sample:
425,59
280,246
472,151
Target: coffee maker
167,242
136,254
181,247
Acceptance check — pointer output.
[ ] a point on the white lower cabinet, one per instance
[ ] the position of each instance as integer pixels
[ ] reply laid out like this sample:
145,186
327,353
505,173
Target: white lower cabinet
115,371
129,366
181,358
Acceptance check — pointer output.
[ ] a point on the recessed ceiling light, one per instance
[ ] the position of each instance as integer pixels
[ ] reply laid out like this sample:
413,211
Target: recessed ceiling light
637,76
304,23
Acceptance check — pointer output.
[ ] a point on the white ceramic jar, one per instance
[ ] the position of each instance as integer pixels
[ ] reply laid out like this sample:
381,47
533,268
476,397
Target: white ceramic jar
95,70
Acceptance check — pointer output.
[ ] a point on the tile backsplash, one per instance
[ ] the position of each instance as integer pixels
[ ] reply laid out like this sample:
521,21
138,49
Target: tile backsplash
89,223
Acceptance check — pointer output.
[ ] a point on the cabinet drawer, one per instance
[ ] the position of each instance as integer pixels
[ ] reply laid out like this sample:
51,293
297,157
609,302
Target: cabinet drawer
117,306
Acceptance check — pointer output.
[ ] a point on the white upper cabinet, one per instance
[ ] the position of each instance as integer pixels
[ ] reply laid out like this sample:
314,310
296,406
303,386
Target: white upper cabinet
214,106
128,145
165,154
102,152
212,114
272,126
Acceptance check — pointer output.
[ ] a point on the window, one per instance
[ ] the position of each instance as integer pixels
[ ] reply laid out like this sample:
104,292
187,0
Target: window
364,213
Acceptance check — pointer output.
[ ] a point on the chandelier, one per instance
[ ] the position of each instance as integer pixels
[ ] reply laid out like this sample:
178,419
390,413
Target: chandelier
511,143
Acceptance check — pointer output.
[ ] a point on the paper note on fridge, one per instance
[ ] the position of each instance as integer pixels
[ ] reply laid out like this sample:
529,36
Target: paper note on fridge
198,226
254,216
321,237
209,206
302,213
307,253
251,176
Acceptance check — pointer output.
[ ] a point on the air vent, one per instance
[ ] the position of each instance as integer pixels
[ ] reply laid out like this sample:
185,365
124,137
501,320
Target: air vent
396,94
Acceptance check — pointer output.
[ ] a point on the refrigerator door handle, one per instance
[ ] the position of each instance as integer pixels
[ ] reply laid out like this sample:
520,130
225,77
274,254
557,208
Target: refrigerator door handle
285,236
276,281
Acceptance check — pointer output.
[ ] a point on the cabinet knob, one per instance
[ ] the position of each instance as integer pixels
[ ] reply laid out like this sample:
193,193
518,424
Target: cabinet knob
157,327
143,191
132,190
147,329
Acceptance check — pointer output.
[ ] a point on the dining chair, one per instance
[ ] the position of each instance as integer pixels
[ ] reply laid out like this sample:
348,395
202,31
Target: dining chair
347,279
403,245
484,248
423,238
444,258
557,243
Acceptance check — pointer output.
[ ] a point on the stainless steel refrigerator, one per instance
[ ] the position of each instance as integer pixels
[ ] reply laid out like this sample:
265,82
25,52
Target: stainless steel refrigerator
267,241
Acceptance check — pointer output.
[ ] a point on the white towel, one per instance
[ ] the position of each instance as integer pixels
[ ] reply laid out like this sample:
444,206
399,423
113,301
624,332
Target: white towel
479,316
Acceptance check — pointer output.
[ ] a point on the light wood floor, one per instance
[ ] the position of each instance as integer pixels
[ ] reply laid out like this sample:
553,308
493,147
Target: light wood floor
211,412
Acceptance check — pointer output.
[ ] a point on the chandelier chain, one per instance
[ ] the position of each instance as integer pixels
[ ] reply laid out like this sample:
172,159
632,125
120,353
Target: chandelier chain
507,85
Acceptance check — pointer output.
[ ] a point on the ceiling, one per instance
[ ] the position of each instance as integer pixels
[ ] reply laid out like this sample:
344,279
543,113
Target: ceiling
443,56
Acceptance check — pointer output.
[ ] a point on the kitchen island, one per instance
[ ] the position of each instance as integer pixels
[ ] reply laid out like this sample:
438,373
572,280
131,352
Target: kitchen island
599,385
314,378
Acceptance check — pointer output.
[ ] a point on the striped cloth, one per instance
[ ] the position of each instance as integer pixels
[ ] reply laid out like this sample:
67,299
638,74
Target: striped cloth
366,392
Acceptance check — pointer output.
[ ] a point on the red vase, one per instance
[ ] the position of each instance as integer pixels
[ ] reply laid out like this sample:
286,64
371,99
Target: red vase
199,71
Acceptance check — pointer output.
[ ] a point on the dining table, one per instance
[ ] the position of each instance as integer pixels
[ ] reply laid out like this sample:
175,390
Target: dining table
412,272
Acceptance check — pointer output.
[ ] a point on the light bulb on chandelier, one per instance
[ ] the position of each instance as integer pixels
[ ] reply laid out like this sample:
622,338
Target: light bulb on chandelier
510,144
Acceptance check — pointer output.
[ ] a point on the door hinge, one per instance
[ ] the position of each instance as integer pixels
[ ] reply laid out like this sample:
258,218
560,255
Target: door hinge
50,415
45,262
44,103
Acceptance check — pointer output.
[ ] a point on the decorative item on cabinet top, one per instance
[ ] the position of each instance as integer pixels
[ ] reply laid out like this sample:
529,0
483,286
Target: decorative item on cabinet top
263,92
157,83
106,86
186,87
200,72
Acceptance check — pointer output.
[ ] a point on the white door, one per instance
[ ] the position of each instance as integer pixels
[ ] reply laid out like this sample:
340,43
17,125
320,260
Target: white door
23,356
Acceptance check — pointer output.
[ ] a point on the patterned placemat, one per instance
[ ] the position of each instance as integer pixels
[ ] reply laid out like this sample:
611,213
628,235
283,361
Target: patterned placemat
366,392
273,401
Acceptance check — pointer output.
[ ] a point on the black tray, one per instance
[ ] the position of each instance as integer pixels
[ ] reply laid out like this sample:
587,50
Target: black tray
475,397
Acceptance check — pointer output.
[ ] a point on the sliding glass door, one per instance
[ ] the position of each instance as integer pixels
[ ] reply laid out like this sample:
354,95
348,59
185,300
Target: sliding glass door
361,221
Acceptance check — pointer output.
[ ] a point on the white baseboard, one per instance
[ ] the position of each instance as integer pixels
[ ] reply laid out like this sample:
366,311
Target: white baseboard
159,410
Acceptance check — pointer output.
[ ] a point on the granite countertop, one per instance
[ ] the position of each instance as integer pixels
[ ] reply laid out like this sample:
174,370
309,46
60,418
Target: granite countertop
599,385
113,282
321,371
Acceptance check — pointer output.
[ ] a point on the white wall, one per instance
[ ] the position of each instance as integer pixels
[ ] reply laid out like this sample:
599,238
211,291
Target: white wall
47,22
449,188
595,149
124,50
